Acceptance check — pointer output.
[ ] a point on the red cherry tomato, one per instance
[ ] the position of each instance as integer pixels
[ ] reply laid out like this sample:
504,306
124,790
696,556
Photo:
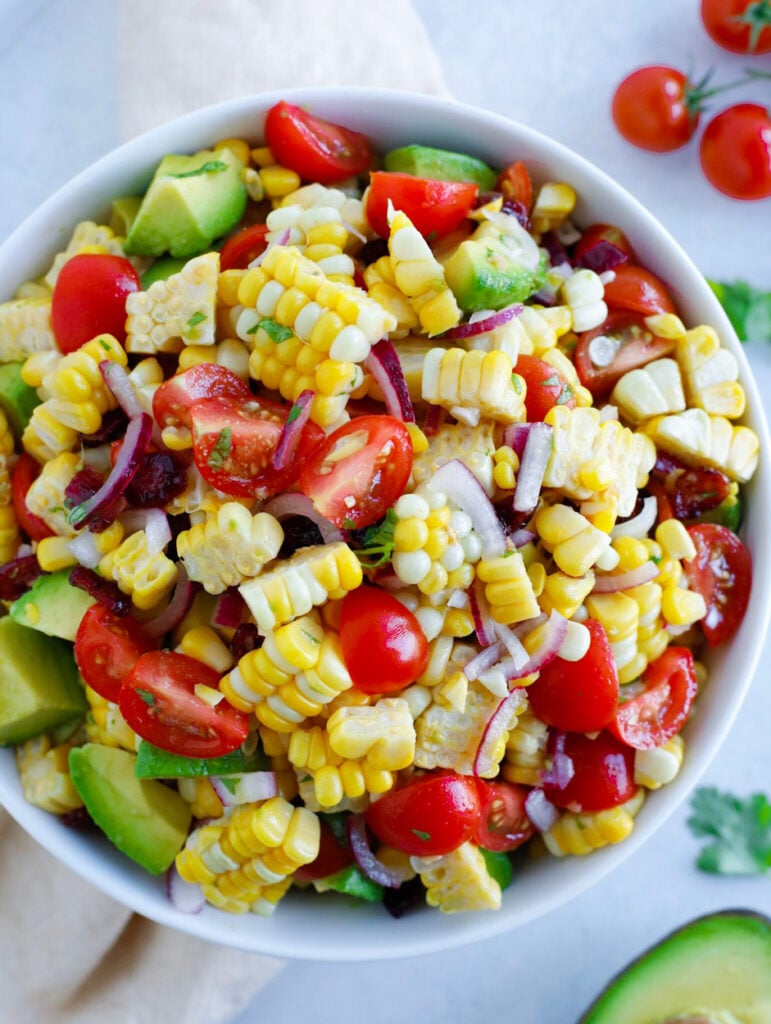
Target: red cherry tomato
603,233
653,109
741,26
427,818
735,151
636,347
25,472
602,772
638,290
722,573
331,858
434,207
383,646
316,149
234,441
579,696
660,709
173,400
158,701
516,184
90,298
239,250
107,648
546,387
360,471
503,823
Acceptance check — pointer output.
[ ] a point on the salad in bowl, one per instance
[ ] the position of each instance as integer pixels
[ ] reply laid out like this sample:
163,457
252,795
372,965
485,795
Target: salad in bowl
375,520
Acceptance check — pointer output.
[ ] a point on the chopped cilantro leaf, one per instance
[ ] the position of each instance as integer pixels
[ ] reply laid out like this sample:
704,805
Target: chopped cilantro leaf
104,344
565,395
196,319
210,167
748,309
146,696
740,830
294,412
378,542
275,331
348,524
517,383
229,784
424,836
221,450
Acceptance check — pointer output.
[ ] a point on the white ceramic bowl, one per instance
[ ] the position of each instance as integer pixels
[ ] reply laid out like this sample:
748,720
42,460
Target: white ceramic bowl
328,927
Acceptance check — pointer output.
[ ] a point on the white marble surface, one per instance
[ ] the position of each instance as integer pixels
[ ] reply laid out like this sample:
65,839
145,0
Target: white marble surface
552,64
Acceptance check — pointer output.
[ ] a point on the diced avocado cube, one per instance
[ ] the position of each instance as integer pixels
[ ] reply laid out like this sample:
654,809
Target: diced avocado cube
145,819
39,685
352,882
124,211
17,399
52,605
498,866
440,165
160,270
483,274
191,201
154,763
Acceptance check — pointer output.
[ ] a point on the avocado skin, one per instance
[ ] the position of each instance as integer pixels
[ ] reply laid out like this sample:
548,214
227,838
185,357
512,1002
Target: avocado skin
52,606
719,962
440,165
144,819
483,275
17,399
39,685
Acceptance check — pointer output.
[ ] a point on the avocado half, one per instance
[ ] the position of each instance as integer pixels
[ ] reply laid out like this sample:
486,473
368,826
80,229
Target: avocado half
713,970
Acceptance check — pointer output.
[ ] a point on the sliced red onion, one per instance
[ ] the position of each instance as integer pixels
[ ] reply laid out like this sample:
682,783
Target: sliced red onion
373,868
83,546
521,537
245,788
640,525
229,609
515,435
548,649
484,626
282,239
498,724
295,504
626,580
137,438
176,609
541,812
482,324
601,257
532,467
384,365
187,897
117,380
562,768
460,485
434,418
289,437
482,662
458,599
516,649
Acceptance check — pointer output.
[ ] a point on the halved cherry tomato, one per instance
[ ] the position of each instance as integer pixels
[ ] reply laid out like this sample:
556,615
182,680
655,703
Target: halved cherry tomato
516,184
360,471
546,387
503,822
602,771
637,289
234,441
721,572
661,708
689,491
741,26
89,298
173,400
107,648
159,702
25,472
239,250
429,817
384,647
316,149
636,347
603,233
579,696
331,858
434,207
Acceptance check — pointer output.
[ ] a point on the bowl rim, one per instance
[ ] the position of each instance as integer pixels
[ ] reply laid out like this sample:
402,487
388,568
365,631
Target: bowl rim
284,935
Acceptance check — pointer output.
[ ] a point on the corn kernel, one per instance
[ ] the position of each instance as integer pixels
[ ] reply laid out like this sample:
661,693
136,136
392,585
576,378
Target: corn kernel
675,540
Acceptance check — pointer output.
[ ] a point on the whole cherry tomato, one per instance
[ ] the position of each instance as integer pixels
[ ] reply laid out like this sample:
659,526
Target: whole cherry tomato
735,151
90,298
384,647
742,26
656,108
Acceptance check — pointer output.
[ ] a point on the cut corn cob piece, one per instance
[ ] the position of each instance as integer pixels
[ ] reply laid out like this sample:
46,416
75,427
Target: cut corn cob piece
474,384
176,312
652,390
698,439
350,208
555,201
583,294
508,588
458,881
45,776
382,734
658,767
474,446
574,543
381,286
711,374
334,777
90,237
579,834
525,757
25,327
145,574
46,495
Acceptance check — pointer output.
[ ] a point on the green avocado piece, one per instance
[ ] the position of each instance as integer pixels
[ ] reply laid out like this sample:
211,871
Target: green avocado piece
145,819
440,165
154,763
191,201
17,399
716,968
352,882
52,605
728,513
160,270
483,274
498,866
123,214
39,685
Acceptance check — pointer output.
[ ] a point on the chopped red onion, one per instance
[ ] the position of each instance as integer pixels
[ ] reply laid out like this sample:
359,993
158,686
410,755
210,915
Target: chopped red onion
154,522
290,434
552,243
484,323
484,626
371,866
516,649
640,525
610,584
133,448
187,897
118,381
434,419
562,768
384,365
460,485
601,257
176,609
244,788
229,609
282,239
483,661
498,724
83,546
515,435
548,649
295,504
521,537
532,467
541,812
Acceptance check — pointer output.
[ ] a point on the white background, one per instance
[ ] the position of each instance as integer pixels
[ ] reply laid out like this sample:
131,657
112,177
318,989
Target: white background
552,64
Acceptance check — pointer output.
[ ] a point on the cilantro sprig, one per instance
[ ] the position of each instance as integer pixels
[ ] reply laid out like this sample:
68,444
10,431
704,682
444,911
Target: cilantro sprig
377,542
209,167
740,831
748,309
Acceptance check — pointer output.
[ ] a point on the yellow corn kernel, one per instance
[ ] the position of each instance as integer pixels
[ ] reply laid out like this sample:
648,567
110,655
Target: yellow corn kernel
238,147
204,644
682,607
279,181
675,540
418,438
618,613
565,594
53,553
458,623
632,553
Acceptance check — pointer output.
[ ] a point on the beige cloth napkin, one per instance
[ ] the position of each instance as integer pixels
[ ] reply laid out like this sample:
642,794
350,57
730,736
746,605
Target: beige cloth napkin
69,954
